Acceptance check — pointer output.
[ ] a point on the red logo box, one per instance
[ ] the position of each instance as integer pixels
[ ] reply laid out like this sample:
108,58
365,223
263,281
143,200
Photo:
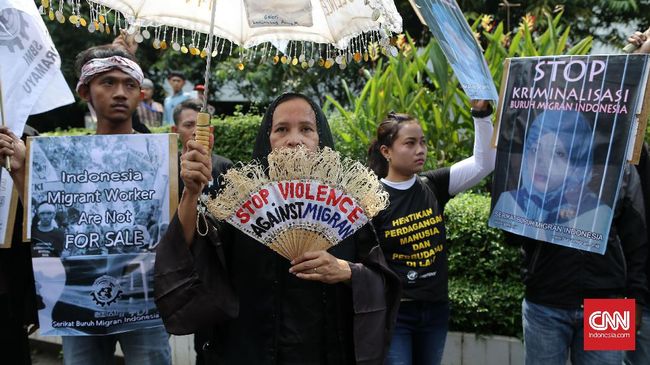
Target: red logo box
609,324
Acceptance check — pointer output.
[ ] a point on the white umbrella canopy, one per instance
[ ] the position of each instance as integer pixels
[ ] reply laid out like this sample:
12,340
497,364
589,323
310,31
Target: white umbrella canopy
334,25
248,23
305,31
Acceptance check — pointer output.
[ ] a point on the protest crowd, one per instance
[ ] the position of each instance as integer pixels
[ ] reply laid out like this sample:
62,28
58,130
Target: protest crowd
133,267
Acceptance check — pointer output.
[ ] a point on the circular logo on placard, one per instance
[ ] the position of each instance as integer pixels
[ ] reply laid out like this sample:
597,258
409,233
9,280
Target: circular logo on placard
106,290
412,275
14,28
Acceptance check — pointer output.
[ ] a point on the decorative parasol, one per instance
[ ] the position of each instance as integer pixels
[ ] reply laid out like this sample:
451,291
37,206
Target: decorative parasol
305,32
307,201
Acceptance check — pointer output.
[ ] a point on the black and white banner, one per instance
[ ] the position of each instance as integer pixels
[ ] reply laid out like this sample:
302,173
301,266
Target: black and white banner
97,207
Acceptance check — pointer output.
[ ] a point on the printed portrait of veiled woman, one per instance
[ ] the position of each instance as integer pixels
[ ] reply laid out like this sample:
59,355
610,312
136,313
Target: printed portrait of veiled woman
555,176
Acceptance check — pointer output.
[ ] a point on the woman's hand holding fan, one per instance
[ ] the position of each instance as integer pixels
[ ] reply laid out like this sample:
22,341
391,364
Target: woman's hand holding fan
321,266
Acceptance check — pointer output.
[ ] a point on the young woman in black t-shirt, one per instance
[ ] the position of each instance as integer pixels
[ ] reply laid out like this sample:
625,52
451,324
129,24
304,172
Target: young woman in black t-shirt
412,232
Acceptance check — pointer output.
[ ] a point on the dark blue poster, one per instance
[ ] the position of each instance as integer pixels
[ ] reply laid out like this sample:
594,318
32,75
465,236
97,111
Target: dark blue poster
448,25
566,130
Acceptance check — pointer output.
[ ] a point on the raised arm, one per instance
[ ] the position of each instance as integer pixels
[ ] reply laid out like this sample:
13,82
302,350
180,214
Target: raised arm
468,172
191,284
196,172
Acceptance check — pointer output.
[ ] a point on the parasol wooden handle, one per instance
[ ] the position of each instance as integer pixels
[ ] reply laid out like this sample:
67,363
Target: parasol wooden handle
202,135
202,131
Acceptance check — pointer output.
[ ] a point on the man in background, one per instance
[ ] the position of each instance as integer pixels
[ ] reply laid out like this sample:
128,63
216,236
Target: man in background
184,124
200,94
150,112
177,80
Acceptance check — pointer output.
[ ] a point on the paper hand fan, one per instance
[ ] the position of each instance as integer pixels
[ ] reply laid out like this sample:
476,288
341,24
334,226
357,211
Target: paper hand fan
308,200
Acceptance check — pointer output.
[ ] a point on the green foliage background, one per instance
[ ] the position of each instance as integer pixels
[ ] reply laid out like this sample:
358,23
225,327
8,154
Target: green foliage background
420,82
484,285
260,82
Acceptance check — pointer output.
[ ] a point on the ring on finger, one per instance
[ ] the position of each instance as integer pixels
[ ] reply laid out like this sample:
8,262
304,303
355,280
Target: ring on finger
315,270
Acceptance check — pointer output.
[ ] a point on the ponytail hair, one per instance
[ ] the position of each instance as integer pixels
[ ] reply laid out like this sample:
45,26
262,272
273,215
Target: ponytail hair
386,135
376,160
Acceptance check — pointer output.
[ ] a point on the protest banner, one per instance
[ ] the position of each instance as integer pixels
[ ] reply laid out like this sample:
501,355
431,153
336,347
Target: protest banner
97,207
567,125
456,39
282,204
32,83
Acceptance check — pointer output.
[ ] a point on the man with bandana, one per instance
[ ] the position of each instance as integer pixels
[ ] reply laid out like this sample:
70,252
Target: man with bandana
109,80
47,237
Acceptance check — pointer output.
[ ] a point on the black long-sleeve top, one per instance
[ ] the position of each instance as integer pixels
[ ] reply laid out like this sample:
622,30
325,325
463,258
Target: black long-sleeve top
265,315
562,277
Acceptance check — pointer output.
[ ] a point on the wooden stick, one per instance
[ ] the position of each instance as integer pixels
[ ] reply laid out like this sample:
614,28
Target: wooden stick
417,11
202,130
202,133
501,104
644,113
2,116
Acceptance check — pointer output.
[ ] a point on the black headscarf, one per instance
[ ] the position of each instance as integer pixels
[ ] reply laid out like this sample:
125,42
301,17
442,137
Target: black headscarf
263,143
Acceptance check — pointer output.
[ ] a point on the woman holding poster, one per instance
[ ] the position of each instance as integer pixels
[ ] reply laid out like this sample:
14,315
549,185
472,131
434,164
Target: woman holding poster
325,307
412,230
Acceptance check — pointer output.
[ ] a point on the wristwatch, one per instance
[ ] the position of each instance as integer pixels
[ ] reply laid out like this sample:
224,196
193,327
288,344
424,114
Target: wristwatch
482,113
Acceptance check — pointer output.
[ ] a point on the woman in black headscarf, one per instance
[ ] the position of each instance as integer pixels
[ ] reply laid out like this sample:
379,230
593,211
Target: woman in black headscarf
326,307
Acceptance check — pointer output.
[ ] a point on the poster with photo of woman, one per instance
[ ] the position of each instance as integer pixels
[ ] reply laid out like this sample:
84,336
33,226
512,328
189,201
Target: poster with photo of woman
566,129
447,23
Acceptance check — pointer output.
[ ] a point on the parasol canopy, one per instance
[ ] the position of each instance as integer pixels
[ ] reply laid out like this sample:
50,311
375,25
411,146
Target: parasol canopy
336,25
